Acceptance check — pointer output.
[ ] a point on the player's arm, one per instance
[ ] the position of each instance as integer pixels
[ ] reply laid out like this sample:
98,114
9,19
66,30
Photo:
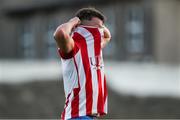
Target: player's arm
62,35
106,38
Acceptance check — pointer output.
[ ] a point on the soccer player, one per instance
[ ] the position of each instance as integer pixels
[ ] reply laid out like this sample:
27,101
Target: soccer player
80,42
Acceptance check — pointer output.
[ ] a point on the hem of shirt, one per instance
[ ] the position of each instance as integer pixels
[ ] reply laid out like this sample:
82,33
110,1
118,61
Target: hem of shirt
94,115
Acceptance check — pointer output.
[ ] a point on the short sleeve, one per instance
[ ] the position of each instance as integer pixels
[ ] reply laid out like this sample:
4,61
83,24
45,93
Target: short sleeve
70,54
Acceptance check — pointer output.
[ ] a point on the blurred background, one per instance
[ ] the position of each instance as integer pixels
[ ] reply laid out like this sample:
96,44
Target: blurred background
142,61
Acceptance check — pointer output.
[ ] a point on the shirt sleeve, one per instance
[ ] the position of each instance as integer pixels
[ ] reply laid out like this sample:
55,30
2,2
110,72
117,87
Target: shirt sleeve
70,54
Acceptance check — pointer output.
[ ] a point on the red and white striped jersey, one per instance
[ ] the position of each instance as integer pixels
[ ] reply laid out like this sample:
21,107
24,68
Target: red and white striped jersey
83,75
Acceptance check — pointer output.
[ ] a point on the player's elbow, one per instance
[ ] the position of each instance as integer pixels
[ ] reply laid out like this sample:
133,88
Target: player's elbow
59,34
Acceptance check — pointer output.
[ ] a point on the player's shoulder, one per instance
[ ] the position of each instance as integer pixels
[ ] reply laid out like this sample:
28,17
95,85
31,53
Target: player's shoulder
81,31
86,31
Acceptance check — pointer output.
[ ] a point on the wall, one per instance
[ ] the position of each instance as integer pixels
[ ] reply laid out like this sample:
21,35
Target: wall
166,31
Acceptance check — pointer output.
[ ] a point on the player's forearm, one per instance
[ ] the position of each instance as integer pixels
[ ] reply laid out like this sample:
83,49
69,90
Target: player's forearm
63,37
64,30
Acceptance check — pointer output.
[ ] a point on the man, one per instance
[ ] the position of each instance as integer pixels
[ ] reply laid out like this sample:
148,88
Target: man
80,43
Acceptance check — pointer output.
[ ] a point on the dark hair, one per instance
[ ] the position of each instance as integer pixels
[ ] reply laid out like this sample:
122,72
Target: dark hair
89,13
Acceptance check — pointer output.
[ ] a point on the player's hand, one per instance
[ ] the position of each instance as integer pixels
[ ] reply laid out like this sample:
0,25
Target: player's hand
106,37
107,34
76,21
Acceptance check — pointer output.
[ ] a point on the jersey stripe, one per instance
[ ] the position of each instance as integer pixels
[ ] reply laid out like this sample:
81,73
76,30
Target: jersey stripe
97,46
86,64
66,104
102,74
67,109
82,93
75,102
105,95
91,52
